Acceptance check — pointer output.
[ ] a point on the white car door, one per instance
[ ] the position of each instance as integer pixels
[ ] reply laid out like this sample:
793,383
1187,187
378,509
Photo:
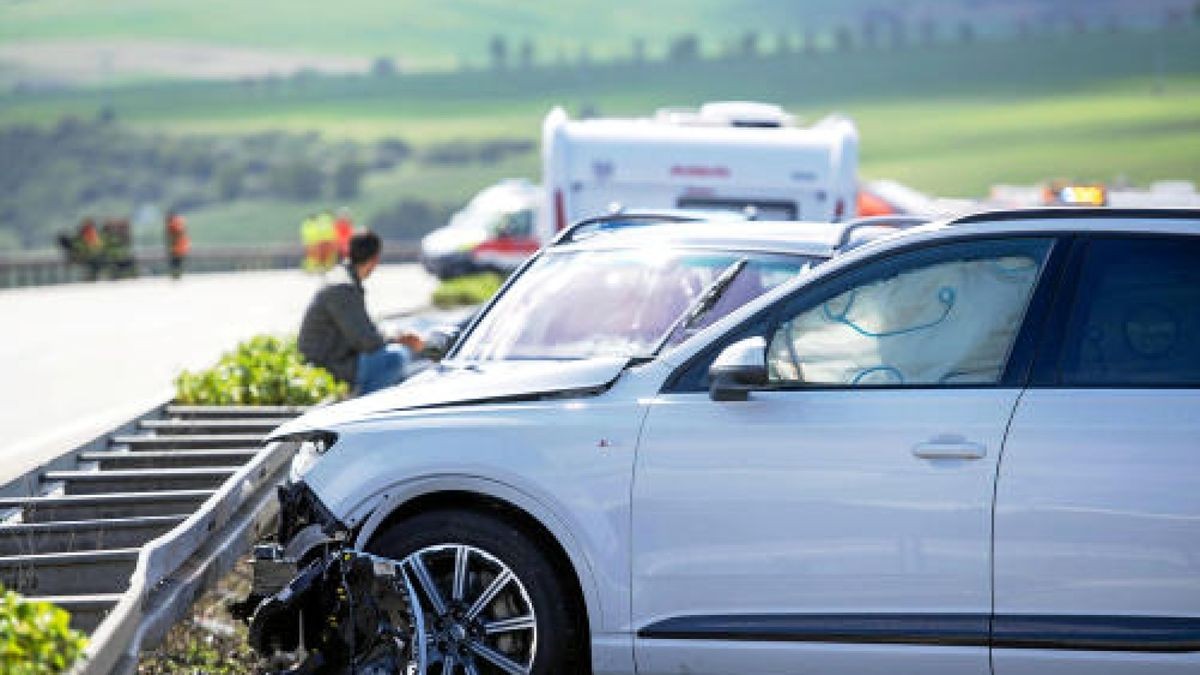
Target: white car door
1098,500
841,519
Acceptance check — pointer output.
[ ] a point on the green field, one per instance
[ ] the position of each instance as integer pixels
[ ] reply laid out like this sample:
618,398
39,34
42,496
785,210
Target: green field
950,119
420,34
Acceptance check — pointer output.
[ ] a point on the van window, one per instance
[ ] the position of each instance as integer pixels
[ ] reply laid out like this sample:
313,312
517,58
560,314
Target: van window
1136,320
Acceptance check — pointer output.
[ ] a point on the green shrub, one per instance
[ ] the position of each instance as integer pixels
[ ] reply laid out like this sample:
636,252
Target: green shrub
469,290
264,370
35,637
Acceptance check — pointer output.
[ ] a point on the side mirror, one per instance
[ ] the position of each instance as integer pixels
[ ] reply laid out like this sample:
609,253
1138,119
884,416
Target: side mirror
739,369
440,340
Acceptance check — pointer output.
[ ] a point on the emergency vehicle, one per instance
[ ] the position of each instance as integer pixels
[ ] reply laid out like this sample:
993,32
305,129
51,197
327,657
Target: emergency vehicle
732,155
493,232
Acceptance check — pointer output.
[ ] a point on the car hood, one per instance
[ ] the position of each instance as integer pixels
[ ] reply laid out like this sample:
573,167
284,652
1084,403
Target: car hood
467,384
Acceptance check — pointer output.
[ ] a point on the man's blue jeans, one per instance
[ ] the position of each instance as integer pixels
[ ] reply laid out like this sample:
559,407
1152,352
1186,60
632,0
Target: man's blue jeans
381,368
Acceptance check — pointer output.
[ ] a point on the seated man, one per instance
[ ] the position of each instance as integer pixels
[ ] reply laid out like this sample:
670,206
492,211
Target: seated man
338,335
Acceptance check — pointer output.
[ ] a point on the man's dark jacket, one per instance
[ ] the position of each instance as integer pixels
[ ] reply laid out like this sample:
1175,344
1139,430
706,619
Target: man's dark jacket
336,327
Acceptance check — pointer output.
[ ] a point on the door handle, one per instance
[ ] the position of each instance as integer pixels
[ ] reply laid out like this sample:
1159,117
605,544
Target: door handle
949,449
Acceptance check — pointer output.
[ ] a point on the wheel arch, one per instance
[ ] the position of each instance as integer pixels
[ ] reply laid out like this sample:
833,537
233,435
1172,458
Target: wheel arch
524,511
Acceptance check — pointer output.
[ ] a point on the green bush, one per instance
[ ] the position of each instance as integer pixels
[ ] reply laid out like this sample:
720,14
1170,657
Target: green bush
264,370
473,289
35,637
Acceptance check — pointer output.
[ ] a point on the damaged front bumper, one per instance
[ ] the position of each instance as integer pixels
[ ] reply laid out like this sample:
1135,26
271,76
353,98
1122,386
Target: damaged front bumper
337,609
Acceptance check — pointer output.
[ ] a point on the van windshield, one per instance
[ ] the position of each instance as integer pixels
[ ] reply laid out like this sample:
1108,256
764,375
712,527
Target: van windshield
583,304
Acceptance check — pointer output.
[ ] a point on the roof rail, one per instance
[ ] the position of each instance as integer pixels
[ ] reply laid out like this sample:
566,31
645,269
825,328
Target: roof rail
618,221
1063,212
893,222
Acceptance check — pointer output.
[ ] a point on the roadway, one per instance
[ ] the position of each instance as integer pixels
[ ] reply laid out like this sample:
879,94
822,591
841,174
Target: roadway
78,359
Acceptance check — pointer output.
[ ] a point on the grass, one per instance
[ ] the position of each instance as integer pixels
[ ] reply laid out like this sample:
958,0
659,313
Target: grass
473,289
209,641
950,119
420,33
276,221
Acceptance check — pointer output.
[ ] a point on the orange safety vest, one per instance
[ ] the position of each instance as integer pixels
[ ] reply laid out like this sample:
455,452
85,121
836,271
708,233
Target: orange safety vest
177,238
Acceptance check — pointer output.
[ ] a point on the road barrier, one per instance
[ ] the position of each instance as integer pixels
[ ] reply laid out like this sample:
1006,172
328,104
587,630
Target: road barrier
128,530
50,267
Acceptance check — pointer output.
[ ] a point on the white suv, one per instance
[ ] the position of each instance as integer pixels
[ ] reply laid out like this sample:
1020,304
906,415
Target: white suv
970,448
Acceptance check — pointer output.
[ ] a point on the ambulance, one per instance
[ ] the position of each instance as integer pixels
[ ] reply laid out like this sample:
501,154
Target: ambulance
741,156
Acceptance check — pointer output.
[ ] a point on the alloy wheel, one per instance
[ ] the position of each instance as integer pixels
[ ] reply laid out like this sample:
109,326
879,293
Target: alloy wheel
478,616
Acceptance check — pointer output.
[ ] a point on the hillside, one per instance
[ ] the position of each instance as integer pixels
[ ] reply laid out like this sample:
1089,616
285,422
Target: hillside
117,38
950,118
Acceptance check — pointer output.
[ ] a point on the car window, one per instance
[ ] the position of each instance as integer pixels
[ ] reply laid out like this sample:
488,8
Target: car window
622,302
1136,318
936,317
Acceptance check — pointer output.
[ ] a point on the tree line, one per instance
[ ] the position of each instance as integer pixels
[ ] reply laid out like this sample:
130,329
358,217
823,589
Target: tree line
54,175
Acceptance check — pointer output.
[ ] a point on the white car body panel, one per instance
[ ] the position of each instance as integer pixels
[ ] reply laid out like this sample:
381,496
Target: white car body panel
728,658
1098,514
812,502
1096,511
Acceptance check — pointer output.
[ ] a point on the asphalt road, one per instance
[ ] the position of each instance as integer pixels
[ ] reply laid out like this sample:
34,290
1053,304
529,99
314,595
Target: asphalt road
78,359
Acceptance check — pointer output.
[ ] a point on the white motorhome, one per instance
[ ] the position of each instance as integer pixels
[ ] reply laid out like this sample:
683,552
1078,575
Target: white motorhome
724,156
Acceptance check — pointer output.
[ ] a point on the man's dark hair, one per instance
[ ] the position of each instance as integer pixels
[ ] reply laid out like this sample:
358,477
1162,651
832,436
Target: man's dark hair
363,247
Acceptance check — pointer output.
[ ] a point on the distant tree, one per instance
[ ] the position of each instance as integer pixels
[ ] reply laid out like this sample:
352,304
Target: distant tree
843,39
810,42
229,181
899,33
347,179
684,47
409,219
966,32
783,43
870,33
526,54
498,51
748,44
639,50
299,180
1024,30
383,66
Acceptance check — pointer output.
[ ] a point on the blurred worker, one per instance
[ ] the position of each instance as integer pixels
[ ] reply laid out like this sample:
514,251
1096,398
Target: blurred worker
117,248
343,228
89,249
310,237
338,334
327,252
177,242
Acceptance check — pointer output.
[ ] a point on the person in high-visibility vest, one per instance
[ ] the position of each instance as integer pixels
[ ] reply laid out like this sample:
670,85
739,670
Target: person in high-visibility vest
90,248
310,236
327,253
343,228
178,243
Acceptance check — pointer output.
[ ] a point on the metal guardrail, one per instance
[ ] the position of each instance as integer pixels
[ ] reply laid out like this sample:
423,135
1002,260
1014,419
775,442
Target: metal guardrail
127,531
50,267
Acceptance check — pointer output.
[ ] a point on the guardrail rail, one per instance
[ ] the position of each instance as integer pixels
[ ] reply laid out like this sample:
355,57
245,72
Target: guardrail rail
127,531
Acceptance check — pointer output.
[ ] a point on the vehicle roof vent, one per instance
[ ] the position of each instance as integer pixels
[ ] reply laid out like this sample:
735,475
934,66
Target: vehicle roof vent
729,114
746,114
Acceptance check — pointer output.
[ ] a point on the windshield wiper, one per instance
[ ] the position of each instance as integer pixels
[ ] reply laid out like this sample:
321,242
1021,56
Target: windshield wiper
704,302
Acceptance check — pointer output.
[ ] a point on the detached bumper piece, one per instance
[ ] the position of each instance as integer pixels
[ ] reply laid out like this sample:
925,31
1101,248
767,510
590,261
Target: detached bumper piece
346,612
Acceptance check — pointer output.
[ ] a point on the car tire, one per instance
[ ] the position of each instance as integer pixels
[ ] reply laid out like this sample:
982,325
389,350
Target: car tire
491,545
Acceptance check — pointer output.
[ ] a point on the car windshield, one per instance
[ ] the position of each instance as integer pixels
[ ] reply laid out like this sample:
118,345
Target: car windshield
622,302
